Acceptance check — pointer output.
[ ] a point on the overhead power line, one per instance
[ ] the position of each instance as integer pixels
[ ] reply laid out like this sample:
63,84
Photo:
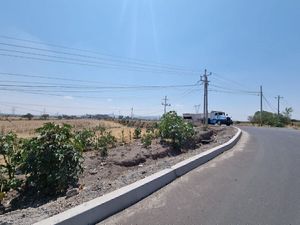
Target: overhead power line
128,59
71,61
85,89
101,59
99,56
235,90
47,77
231,92
269,104
230,82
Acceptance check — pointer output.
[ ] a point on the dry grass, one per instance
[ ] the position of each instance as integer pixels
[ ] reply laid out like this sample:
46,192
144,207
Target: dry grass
1,160
26,128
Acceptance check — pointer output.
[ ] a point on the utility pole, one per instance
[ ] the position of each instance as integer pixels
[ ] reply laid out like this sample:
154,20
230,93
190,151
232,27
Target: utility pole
197,107
261,105
205,103
165,104
278,106
131,112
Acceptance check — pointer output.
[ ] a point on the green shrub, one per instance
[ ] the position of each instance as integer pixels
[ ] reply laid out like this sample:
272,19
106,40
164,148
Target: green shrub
3,185
85,139
147,139
104,142
174,128
271,119
52,161
101,129
11,153
137,133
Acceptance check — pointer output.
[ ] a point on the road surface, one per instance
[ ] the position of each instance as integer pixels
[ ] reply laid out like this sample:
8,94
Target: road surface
257,182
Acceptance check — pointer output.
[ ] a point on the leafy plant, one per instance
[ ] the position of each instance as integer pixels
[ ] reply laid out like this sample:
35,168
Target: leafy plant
147,139
101,129
271,119
85,139
174,128
137,133
287,113
3,185
104,142
11,153
52,161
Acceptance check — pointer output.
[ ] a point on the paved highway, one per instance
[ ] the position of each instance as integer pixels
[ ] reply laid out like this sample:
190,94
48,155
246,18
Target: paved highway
257,182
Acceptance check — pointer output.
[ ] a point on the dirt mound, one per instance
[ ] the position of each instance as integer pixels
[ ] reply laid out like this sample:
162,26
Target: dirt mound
134,154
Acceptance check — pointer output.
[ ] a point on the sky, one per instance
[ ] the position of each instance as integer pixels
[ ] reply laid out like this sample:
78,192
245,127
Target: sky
129,44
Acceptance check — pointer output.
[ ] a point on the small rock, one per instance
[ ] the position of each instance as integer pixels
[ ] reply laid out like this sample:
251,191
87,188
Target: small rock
143,172
140,165
93,172
103,163
72,192
2,209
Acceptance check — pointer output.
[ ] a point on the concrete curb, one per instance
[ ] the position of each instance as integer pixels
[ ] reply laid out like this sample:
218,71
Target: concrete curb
189,164
100,208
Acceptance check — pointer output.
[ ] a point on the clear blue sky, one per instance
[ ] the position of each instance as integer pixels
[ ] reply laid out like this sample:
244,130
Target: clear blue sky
252,43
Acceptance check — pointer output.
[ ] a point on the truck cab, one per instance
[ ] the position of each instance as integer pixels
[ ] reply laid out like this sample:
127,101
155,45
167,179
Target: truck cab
218,117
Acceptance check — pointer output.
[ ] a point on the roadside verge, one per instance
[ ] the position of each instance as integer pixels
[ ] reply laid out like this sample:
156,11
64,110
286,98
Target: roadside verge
102,207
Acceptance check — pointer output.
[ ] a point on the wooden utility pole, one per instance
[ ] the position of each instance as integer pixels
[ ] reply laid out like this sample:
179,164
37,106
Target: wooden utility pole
205,103
131,113
261,105
278,104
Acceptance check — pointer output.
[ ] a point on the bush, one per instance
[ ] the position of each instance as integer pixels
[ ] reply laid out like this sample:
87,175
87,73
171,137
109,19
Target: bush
11,153
270,119
147,140
85,139
3,184
104,142
173,127
101,129
44,116
52,161
137,133
28,116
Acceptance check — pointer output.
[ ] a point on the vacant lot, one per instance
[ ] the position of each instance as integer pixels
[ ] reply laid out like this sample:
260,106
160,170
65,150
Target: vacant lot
26,128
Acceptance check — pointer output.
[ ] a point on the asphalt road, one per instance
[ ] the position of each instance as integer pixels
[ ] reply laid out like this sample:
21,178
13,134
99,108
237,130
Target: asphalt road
257,182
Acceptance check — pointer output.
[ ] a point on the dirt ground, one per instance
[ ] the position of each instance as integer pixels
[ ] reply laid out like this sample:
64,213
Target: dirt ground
124,165
26,128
